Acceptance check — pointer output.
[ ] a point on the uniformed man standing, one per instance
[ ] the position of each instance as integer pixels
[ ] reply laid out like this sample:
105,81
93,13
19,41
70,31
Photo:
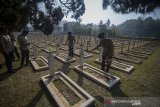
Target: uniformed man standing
108,51
70,40
22,39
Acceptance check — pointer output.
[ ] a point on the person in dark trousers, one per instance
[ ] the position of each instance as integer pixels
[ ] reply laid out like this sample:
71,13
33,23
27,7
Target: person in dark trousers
108,51
1,48
13,40
6,49
1,66
70,40
22,40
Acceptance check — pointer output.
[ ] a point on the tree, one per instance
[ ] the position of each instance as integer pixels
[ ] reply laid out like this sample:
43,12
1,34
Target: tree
15,14
102,27
140,27
127,6
66,27
108,23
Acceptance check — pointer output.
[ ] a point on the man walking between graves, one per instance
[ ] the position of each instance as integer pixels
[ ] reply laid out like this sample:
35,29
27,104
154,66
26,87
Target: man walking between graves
6,49
13,40
22,39
70,40
108,51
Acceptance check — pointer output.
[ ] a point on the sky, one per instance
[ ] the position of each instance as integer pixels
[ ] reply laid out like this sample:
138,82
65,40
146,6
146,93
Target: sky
94,13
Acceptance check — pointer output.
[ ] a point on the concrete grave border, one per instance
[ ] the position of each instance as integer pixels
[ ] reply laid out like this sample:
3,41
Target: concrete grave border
136,55
63,60
145,50
96,51
140,52
108,85
39,46
123,58
46,50
63,48
85,56
35,65
115,63
72,85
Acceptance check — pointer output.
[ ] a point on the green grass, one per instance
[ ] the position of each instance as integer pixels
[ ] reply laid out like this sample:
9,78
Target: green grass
24,88
71,97
40,62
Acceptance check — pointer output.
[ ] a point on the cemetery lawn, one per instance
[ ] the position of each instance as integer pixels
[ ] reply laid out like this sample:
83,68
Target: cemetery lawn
25,88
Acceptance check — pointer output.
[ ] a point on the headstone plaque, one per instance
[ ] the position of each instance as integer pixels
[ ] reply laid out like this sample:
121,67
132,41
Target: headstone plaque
100,53
81,57
51,64
129,45
35,50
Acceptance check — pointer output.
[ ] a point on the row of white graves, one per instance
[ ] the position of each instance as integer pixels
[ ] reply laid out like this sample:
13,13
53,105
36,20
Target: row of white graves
85,99
131,55
82,98
135,53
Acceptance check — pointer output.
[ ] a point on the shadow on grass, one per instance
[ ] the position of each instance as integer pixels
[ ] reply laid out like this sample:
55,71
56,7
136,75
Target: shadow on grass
66,68
36,99
4,76
117,92
41,92
18,68
99,98
80,79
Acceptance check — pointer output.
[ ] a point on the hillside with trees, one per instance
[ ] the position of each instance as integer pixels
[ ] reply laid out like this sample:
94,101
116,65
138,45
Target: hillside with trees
148,27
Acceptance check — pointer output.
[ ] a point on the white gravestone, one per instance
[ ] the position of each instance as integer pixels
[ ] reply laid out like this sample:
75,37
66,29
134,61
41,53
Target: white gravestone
81,57
74,48
100,53
51,64
35,52
62,38
59,42
57,48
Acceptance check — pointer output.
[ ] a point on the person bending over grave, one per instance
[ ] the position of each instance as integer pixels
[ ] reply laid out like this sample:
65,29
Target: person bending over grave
108,51
70,40
22,39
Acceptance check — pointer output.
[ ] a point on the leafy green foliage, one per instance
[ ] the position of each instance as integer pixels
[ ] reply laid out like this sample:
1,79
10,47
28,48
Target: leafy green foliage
138,27
18,13
127,6
91,29
15,14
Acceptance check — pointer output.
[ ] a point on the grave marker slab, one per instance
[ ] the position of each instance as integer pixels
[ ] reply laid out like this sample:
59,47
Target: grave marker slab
127,58
64,58
98,75
141,52
49,50
38,63
63,47
115,64
85,55
144,49
119,66
63,100
135,55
